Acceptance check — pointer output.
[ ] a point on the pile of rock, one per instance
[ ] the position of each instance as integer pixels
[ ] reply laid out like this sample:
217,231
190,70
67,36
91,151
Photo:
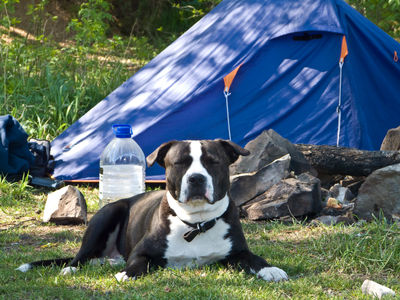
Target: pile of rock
277,181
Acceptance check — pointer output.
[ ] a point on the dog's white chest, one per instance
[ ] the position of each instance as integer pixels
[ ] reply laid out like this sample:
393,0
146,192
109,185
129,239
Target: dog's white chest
206,248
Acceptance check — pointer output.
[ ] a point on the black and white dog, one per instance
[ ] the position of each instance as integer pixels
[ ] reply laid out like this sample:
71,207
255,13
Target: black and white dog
192,223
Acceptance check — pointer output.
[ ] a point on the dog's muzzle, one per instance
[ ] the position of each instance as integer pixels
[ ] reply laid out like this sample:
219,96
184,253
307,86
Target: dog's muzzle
197,187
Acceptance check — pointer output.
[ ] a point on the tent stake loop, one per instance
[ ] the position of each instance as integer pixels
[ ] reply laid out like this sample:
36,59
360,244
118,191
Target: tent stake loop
227,94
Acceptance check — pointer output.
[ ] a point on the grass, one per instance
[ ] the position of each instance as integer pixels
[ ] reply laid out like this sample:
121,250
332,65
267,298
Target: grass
47,85
323,262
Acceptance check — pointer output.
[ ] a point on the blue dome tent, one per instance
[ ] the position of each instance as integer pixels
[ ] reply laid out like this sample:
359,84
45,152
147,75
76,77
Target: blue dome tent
286,56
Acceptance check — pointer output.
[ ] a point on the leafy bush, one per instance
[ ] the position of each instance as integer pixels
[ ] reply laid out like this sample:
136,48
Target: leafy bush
383,13
92,25
46,85
16,192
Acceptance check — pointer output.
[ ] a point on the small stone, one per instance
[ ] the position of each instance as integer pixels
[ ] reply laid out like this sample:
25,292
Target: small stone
370,287
65,206
326,220
342,194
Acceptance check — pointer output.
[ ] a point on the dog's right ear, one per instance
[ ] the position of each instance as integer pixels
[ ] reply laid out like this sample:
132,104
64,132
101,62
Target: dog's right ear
159,154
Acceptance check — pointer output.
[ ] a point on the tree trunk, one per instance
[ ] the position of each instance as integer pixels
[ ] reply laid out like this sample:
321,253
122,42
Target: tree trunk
347,161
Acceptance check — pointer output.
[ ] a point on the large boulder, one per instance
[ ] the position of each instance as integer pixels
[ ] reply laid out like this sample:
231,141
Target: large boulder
290,197
65,206
266,148
391,142
380,193
245,187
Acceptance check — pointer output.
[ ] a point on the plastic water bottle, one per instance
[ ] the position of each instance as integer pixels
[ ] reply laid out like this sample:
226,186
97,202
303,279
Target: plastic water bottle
122,167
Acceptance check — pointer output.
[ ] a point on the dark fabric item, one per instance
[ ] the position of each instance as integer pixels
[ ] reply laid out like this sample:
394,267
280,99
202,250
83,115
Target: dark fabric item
15,157
43,163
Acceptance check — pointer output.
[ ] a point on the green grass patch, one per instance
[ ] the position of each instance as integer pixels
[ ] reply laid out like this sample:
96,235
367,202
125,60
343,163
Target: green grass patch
323,262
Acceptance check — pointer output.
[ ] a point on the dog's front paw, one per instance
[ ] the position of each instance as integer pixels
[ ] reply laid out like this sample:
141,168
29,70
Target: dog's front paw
122,277
272,274
68,270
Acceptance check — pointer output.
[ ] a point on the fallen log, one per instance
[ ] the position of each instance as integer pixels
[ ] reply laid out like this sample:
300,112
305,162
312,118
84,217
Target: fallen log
347,161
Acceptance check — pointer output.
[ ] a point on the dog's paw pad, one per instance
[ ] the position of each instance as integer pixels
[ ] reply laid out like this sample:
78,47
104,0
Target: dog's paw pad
272,274
24,268
68,270
121,276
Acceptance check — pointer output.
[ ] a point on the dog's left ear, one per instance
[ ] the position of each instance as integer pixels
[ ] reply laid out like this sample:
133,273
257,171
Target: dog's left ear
233,150
159,154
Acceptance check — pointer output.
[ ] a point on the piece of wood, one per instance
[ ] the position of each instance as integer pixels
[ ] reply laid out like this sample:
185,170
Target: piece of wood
347,161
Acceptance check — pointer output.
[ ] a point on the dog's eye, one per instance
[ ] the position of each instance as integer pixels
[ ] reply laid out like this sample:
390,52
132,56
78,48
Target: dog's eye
182,161
212,160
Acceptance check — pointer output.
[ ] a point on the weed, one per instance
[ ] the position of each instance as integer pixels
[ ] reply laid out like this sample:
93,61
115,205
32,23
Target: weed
15,192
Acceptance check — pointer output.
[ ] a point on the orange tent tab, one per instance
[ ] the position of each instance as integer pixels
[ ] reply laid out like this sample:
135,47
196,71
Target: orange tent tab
228,79
344,51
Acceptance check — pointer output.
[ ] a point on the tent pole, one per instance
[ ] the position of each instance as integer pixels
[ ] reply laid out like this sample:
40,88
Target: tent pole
338,109
226,93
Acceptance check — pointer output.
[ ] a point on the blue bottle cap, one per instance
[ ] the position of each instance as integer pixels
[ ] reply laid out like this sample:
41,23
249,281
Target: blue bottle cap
122,130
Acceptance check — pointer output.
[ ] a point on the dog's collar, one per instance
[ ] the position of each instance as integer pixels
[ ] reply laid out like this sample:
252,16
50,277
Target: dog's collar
179,210
198,228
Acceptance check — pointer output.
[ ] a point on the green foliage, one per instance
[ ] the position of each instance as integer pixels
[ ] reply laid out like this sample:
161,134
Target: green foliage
16,193
160,19
181,15
48,86
6,8
39,18
92,26
383,13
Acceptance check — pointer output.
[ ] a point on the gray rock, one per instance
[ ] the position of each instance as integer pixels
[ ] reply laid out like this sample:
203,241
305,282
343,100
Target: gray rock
290,197
346,218
391,142
344,209
354,187
65,206
264,149
245,187
327,220
370,287
328,180
342,194
379,193
324,195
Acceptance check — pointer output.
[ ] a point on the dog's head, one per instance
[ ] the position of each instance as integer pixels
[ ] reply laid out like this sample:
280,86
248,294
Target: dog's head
197,170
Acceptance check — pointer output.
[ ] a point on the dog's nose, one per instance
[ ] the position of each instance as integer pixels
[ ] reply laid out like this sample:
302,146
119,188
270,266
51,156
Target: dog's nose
196,179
